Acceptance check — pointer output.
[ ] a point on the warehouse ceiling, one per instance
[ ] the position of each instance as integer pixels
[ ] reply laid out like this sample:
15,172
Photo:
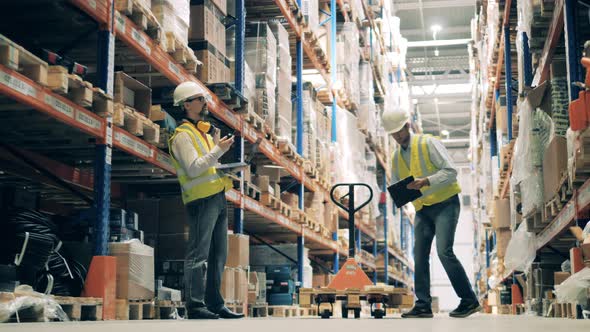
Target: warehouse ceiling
438,32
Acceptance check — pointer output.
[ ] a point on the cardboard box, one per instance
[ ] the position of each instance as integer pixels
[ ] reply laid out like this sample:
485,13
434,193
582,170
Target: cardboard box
206,24
238,253
135,270
241,286
554,167
560,277
586,251
502,210
132,93
263,182
320,280
227,285
214,67
273,173
503,237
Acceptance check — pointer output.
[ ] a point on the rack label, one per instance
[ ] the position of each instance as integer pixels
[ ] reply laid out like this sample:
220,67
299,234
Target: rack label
133,145
143,149
119,22
282,219
174,69
231,118
164,159
140,39
18,85
109,155
232,195
88,120
92,3
59,106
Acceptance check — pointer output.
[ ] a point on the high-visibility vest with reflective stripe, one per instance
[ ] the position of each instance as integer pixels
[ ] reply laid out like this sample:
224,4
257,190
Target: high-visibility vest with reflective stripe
421,167
209,182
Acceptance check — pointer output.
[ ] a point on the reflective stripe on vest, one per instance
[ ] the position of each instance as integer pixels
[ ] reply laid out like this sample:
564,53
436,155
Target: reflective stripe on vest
206,184
420,167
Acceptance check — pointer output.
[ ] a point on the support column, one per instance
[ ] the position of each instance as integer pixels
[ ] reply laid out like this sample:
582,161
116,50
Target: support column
508,70
571,48
239,85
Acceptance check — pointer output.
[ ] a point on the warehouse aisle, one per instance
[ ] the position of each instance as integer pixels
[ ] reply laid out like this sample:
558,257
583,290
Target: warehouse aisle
442,323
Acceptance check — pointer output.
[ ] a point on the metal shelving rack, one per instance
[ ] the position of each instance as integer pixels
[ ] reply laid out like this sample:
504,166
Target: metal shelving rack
113,27
563,22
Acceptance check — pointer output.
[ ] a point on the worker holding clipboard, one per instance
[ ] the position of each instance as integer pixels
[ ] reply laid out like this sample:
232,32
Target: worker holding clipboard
423,174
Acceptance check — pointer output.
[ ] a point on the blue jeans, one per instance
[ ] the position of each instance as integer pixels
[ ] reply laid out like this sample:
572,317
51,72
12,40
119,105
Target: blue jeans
206,252
438,220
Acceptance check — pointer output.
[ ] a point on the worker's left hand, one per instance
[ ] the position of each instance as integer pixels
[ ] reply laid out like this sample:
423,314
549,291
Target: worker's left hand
418,184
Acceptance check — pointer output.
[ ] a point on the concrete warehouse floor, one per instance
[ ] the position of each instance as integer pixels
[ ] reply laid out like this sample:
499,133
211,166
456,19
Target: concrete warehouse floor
441,323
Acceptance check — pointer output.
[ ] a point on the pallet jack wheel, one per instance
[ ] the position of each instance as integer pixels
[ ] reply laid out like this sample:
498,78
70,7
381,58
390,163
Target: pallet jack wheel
379,313
357,313
325,314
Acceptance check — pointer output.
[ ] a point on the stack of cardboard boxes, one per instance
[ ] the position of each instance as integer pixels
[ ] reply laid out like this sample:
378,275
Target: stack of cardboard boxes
234,283
261,56
207,37
348,57
174,17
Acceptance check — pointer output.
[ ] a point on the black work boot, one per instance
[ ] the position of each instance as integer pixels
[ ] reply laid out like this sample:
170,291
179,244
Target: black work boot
465,309
225,313
201,313
418,312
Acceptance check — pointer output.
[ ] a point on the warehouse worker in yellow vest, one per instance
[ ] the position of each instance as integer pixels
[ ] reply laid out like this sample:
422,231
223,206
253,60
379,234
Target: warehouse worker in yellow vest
426,159
195,153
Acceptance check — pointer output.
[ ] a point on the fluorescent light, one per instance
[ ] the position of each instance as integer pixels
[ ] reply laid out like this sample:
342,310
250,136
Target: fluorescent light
435,28
444,132
436,52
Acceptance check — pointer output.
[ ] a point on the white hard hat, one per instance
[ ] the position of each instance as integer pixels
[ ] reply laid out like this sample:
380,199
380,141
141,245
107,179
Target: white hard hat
394,121
187,90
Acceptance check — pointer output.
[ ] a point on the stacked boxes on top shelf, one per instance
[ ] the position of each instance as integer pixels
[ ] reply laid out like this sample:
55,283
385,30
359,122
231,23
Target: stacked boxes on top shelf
261,56
207,37
174,18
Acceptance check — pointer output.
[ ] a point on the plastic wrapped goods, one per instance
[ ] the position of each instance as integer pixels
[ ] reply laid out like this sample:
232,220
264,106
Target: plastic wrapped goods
25,298
522,249
575,288
173,16
261,51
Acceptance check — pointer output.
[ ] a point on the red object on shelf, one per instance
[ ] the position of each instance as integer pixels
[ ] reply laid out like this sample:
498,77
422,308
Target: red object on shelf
578,111
101,282
576,259
516,298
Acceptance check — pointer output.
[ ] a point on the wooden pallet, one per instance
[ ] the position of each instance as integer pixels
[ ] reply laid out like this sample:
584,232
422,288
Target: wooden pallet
252,191
181,52
81,308
258,310
269,200
536,221
239,308
563,310
15,57
255,120
169,309
141,16
136,123
71,86
102,104
230,96
282,311
135,309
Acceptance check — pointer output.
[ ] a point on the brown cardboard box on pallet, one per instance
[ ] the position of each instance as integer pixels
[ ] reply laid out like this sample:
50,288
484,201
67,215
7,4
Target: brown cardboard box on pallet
206,24
227,285
502,210
554,167
560,277
214,67
135,270
132,93
241,286
503,237
238,251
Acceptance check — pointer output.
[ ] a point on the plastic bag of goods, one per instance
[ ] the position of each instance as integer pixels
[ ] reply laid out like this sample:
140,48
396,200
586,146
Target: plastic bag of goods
575,288
522,249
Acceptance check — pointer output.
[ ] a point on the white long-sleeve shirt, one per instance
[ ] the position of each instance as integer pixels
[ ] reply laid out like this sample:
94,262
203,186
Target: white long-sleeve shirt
187,156
439,157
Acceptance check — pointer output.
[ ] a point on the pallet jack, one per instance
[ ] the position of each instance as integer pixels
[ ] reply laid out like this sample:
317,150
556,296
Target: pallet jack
351,285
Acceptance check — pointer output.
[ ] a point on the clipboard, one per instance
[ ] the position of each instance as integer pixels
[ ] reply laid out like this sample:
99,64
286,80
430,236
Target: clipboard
401,194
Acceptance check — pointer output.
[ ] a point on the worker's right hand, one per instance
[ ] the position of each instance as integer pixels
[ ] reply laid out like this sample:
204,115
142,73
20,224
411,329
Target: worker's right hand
225,143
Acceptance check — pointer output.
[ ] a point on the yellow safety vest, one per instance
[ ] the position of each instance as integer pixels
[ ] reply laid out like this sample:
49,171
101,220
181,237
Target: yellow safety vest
420,167
209,182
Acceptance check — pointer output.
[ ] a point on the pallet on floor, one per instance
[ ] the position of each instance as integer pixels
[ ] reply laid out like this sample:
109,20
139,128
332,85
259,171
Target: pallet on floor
282,311
169,309
135,309
239,308
15,57
258,310
81,308
71,86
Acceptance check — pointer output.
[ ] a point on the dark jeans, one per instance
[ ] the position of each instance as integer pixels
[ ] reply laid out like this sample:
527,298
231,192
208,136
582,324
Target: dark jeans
440,220
206,252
